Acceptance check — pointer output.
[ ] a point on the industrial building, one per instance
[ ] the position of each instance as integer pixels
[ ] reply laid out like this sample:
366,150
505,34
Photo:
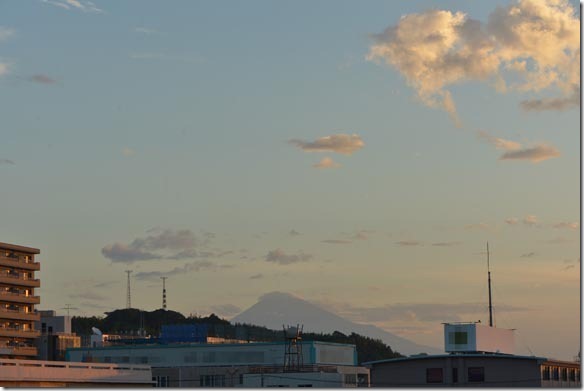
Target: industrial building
259,364
17,301
479,356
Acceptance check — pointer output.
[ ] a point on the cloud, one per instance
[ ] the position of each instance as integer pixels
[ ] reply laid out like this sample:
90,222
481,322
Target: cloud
147,31
361,235
424,312
516,151
6,161
528,46
535,154
409,243
555,104
530,220
340,143
167,244
280,257
89,295
560,240
168,57
483,226
445,244
85,6
528,255
293,232
128,152
256,276
512,220
4,68
326,162
6,33
41,79
499,143
565,225
195,266
336,241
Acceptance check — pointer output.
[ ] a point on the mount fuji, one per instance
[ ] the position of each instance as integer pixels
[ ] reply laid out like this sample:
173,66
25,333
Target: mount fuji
276,309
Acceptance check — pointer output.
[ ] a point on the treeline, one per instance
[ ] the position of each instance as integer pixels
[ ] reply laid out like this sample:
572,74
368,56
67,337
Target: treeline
136,322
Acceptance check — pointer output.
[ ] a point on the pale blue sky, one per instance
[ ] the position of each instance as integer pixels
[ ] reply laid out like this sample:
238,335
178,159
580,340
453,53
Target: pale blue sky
177,115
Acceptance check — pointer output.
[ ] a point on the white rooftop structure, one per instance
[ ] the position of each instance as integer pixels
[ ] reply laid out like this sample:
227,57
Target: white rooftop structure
476,337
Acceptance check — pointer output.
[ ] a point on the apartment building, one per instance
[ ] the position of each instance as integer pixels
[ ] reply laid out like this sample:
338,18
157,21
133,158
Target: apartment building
17,301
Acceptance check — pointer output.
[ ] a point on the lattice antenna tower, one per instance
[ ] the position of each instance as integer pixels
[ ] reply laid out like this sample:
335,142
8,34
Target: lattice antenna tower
128,294
163,292
293,361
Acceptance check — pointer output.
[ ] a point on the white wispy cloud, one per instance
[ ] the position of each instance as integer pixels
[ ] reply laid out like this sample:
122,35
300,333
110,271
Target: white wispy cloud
6,33
147,31
128,152
528,46
80,5
345,144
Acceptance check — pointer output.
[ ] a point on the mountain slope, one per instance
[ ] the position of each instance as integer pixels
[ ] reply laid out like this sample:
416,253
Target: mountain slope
276,309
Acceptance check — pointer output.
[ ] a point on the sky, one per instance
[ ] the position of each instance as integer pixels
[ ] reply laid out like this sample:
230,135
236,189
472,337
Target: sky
358,155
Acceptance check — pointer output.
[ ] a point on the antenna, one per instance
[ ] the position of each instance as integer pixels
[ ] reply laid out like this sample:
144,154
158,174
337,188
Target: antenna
129,295
490,298
163,292
68,307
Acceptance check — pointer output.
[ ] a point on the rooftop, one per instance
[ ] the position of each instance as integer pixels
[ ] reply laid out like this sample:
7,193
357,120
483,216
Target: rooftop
15,247
433,356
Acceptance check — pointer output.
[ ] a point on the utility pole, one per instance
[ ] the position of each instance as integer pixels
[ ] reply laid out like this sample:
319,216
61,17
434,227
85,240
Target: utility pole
68,307
163,292
128,296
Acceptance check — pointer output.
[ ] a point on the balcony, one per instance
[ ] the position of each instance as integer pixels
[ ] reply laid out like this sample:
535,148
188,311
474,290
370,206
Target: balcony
11,279
19,315
18,351
19,298
19,262
18,333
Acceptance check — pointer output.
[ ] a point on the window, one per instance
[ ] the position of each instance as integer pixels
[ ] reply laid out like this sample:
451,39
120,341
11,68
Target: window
564,374
434,375
212,380
577,375
351,379
555,373
572,374
476,374
545,374
455,375
458,337
161,381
